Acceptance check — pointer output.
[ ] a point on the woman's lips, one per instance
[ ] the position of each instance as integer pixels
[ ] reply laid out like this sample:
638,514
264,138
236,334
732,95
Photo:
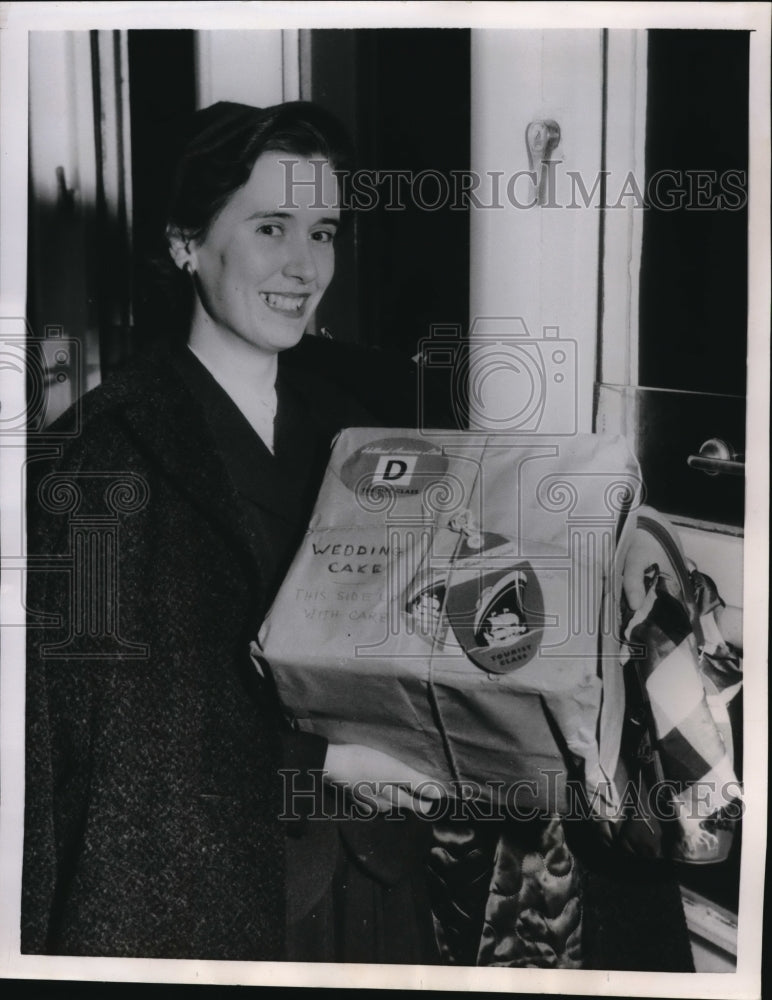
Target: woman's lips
285,304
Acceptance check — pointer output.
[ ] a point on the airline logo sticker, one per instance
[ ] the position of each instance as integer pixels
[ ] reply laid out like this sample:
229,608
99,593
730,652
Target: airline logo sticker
497,616
406,466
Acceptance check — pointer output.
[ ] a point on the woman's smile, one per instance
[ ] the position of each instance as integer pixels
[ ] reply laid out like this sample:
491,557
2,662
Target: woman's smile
285,303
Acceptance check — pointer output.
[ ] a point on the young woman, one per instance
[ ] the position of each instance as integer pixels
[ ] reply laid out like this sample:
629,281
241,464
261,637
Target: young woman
153,745
165,525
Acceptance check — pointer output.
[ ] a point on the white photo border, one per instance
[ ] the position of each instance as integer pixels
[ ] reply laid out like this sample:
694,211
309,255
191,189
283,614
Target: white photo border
16,20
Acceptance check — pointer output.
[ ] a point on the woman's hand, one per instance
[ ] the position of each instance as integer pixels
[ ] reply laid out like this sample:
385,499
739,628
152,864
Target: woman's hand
379,781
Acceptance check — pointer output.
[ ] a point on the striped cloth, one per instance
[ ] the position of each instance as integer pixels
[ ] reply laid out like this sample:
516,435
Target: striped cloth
688,676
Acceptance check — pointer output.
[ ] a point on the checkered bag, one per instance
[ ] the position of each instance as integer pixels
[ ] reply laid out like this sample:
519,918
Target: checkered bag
680,794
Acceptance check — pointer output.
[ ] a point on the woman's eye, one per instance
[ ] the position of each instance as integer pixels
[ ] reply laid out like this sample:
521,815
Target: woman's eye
322,236
270,229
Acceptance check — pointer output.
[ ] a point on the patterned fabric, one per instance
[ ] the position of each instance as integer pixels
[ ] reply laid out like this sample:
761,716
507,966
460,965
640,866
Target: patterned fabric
687,675
506,894
533,915
460,867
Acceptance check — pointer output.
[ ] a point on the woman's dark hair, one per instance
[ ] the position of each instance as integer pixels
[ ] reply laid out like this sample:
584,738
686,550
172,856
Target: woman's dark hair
218,149
224,143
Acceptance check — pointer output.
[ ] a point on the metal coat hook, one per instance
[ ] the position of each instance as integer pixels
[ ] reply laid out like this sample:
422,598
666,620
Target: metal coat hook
541,138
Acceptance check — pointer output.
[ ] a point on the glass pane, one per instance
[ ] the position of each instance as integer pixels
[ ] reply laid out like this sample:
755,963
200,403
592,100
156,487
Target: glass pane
693,297
668,428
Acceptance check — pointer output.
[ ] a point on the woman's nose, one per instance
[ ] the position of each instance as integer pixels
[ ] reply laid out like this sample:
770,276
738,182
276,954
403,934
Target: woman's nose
301,263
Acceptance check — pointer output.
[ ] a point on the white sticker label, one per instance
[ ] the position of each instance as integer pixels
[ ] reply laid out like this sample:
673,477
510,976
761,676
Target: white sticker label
395,469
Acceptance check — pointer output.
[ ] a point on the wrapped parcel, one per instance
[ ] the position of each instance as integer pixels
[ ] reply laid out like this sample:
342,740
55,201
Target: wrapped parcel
454,603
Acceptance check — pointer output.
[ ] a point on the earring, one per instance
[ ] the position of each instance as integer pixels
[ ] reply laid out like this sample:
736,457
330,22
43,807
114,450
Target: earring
187,267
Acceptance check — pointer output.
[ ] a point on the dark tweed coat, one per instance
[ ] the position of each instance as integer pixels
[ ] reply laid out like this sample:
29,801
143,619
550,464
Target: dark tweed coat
152,798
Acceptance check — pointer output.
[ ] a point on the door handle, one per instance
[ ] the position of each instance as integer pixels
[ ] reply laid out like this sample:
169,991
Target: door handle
717,457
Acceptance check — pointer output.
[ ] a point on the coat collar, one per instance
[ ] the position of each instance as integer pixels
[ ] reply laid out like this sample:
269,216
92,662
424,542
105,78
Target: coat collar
169,426
169,401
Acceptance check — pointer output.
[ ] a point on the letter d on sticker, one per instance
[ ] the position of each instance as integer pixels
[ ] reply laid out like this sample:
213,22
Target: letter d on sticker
394,470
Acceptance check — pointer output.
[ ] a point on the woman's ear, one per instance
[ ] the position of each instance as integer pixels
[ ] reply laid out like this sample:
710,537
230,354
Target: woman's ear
180,249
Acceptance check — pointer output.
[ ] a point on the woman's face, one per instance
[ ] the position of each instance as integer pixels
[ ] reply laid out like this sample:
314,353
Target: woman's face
268,257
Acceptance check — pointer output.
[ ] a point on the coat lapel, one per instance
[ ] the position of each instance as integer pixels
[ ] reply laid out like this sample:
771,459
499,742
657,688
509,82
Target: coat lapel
170,425
185,421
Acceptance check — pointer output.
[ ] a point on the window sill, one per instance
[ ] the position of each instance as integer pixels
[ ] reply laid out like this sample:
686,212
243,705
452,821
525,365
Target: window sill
713,933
